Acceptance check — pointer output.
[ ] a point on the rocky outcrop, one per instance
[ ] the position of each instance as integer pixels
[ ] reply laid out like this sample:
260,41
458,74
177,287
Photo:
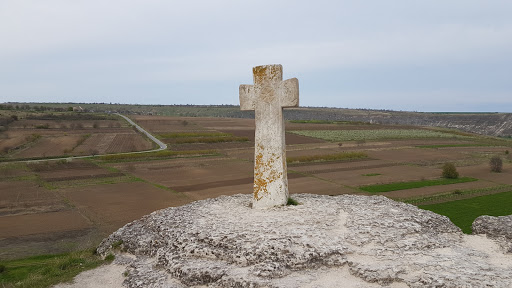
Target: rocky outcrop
341,241
498,228
492,124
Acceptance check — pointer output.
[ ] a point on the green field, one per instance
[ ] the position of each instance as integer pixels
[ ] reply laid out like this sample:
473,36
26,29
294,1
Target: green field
413,184
354,135
191,134
452,145
327,157
463,212
201,137
154,155
47,270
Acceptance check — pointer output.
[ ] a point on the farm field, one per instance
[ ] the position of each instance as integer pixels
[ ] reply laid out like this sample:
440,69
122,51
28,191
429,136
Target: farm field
58,206
464,212
45,135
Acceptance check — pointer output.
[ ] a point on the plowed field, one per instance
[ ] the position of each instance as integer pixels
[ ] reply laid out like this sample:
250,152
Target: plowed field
82,201
50,146
106,143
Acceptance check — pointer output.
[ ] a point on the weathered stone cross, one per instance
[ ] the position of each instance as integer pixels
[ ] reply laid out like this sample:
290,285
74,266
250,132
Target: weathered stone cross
268,96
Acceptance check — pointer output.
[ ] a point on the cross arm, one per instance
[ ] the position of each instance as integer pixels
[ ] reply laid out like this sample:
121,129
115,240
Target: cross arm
289,93
247,97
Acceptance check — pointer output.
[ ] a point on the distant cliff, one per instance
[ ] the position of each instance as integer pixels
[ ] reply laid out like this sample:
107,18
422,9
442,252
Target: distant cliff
492,124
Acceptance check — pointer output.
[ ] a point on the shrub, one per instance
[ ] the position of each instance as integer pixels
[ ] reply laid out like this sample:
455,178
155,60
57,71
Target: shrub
496,164
449,171
117,244
110,257
292,202
42,126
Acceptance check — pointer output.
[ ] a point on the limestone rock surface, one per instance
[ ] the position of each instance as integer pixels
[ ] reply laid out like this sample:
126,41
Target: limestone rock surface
498,228
341,241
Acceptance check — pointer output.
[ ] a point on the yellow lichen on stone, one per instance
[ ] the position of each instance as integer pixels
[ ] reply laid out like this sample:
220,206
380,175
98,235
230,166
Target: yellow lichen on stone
267,73
259,182
267,97
262,179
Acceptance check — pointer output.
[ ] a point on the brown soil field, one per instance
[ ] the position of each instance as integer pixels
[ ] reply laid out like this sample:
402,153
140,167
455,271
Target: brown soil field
313,185
80,202
313,126
225,123
11,140
206,170
337,166
66,124
128,142
352,173
482,171
49,146
112,206
214,192
28,197
71,170
51,242
60,137
210,146
112,143
9,171
21,225
162,124
418,155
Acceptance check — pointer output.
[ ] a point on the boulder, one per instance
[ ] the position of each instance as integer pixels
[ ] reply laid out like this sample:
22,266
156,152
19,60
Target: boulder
498,228
326,241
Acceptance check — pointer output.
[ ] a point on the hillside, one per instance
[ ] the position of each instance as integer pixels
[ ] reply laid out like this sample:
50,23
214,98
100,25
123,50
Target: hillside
492,124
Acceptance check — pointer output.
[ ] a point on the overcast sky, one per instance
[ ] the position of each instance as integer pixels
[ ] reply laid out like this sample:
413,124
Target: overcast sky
422,55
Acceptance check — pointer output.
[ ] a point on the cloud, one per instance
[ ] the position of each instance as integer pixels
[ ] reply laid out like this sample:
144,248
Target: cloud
60,48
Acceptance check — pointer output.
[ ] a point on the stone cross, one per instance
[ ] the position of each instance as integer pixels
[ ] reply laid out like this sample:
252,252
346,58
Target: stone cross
267,97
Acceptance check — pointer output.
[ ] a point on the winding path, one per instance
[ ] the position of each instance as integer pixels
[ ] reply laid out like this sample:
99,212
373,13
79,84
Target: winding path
162,145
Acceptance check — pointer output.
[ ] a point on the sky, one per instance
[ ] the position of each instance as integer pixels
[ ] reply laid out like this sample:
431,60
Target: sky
410,55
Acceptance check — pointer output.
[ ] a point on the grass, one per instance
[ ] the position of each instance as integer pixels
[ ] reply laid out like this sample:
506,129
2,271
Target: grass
413,184
201,137
463,212
191,134
454,195
372,174
327,157
47,270
376,134
292,202
218,139
89,182
163,154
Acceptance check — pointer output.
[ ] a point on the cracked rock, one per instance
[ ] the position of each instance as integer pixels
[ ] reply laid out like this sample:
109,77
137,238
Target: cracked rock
341,241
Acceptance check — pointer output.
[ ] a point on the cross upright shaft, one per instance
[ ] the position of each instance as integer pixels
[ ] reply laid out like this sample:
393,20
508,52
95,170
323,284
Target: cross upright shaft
267,97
